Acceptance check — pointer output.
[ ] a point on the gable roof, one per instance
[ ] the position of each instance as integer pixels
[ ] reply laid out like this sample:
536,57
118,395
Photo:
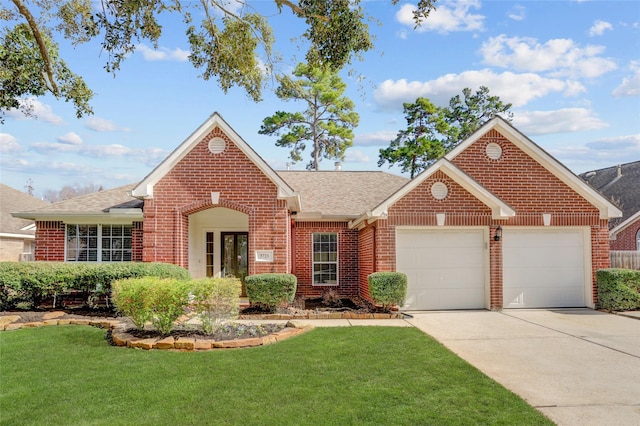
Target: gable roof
145,188
13,200
621,185
499,209
108,205
337,195
608,210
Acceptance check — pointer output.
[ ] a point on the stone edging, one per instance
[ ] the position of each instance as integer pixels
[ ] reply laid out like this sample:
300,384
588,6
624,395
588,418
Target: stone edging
324,315
121,338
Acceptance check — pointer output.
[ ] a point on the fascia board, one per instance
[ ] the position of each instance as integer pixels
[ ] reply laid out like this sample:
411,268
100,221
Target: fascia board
631,219
83,218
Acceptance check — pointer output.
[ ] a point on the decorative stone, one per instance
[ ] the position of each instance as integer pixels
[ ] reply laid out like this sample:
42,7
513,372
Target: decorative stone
166,343
33,324
185,343
80,322
203,344
16,326
8,320
64,322
120,339
144,343
50,322
269,340
52,315
240,343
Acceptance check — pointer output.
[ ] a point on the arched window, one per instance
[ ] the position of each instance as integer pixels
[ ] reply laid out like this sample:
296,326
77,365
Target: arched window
638,240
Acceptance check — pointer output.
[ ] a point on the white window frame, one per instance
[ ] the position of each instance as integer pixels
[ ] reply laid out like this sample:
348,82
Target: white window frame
638,240
329,262
99,240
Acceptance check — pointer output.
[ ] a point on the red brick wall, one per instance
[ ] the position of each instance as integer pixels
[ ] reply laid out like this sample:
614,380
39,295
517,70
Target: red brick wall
347,258
627,239
50,241
516,179
186,189
136,241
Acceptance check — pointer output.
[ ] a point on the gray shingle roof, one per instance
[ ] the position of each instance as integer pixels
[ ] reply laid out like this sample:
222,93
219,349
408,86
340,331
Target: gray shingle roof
342,193
12,200
621,185
95,203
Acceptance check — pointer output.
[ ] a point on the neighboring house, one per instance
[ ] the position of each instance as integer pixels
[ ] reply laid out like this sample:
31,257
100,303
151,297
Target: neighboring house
496,223
621,184
17,236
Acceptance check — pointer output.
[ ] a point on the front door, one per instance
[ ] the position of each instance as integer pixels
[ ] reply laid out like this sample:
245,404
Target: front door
235,256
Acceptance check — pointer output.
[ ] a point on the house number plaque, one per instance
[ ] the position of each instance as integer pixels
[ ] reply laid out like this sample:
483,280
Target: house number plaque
264,255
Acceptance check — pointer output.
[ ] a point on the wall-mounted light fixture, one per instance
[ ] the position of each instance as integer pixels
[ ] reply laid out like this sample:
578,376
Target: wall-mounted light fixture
498,234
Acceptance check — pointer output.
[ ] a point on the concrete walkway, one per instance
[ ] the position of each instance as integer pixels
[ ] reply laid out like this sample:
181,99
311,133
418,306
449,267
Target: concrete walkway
577,366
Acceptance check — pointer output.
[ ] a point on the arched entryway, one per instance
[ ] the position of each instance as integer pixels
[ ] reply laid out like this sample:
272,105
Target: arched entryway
218,243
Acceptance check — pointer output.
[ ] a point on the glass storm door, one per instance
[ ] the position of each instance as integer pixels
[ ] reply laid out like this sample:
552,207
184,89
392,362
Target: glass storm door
235,255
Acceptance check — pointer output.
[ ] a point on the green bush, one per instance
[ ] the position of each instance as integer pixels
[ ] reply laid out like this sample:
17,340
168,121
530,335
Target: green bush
388,288
33,282
159,300
216,300
130,298
618,289
271,290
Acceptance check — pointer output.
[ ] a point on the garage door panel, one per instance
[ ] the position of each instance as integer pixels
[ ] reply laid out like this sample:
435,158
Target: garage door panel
543,268
445,268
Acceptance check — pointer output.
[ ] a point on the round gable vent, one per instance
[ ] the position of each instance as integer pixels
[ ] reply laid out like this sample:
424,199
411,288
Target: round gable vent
439,191
217,145
494,151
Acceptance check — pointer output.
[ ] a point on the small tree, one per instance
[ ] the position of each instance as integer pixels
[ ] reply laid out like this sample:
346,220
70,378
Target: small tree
421,144
433,131
327,121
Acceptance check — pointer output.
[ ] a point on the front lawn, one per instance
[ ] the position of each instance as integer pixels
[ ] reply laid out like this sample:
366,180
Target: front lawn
69,375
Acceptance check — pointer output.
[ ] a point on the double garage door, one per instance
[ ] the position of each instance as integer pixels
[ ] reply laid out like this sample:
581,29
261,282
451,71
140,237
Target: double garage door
448,268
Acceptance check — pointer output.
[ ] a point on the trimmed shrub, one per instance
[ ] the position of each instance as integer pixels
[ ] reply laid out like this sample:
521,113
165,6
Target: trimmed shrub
33,282
271,290
159,300
618,289
130,298
167,298
216,300
388,288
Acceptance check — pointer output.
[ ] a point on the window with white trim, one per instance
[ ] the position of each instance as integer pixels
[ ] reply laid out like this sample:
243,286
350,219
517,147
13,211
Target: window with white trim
325,258
638,240
98,243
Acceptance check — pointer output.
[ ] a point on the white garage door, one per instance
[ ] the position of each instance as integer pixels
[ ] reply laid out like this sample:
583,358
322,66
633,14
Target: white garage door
543,268
445,268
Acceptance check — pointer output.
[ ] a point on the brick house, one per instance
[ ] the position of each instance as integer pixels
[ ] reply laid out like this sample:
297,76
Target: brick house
621,185
17,236
495,223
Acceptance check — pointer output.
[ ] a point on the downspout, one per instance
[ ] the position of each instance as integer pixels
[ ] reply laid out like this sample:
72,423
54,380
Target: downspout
293,246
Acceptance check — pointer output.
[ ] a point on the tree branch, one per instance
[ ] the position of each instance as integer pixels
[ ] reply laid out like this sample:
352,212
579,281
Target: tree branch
33,25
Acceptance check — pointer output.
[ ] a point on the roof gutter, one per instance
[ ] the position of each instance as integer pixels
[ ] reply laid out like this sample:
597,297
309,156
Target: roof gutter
131,214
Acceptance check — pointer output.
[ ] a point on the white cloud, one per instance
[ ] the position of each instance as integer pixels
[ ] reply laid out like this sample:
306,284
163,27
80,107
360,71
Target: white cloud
558,121
163,54
356,156
37,110
599,154
517,13
8,143
559,57
518,89
449,16
381,138
599,27
630,86
71,138
103,125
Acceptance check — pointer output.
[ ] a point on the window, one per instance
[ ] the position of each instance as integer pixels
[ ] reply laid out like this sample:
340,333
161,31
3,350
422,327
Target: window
98,243
638,240
325,259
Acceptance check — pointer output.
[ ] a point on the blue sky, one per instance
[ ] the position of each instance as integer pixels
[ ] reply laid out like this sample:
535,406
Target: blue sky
571,69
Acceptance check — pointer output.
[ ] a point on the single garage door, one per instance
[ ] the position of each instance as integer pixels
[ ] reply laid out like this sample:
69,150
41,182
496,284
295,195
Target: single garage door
543,268
445,268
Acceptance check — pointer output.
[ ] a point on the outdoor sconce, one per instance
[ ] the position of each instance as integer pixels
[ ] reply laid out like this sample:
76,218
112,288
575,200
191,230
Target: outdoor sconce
498,234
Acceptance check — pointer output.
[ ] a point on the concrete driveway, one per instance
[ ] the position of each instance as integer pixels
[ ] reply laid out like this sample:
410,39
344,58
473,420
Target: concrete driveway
577,366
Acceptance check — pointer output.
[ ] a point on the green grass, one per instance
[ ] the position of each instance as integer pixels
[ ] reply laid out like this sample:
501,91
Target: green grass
68,375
